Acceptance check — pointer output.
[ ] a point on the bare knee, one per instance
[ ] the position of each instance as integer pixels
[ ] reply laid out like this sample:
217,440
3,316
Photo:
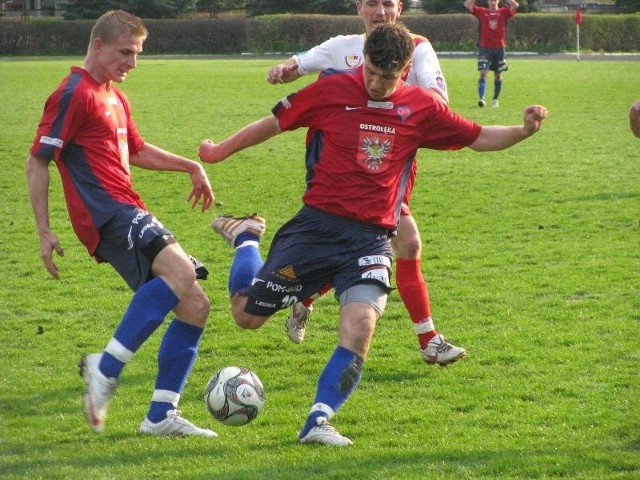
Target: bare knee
243,319
407,243
194,307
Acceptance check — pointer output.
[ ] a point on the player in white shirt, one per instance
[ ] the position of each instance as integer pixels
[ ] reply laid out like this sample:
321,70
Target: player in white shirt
345,51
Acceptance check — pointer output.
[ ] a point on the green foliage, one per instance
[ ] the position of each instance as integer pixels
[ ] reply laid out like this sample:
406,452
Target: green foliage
629,6
531,256
215,7
331,7
446,32
542,33
92,9
443,6
222,35
294,33
54,37
271,7
602,32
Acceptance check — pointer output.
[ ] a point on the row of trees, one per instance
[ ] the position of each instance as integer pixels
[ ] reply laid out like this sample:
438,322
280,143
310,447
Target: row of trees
90,9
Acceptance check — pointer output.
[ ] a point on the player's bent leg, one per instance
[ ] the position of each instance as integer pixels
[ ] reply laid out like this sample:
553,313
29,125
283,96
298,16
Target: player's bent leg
296,325
194,307
407,243
242,318
414,292
360,308
175,267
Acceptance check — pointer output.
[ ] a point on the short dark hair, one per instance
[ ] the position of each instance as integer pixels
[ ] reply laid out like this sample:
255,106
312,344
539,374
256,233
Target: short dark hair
111,25
389,47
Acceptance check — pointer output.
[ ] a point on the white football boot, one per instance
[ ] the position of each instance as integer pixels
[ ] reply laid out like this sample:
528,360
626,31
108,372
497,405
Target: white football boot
98,391
326,434
297,321
441,352
174,426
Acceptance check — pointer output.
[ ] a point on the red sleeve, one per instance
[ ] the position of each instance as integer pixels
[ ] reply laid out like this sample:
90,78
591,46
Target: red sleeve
61,119
509,13
298,109
444,129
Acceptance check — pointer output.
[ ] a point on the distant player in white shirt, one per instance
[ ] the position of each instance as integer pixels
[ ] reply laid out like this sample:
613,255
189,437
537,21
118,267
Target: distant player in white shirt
345,51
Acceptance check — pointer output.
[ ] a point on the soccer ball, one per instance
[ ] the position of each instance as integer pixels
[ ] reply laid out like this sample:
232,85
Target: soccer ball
234,396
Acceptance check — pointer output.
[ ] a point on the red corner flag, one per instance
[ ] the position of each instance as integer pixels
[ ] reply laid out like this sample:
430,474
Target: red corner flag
578,15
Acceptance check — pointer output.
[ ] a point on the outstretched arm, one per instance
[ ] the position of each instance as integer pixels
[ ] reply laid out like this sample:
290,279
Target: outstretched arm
634,118
253,134
468,4
284,72
38,185
155,158
498,137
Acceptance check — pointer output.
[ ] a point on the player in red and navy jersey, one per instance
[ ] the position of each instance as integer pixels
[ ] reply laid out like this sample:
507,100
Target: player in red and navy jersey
88,131
491,46
346,51
367,126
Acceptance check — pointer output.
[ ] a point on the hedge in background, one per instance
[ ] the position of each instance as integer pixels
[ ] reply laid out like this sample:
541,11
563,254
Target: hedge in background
57,37
225,35
542,33
295,33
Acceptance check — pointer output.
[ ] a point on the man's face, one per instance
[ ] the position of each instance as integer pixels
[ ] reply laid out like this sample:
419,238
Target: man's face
380,83
493,4
376,12
115,60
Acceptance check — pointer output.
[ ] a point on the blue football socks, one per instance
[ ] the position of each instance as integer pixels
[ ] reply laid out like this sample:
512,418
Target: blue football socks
178,352
146,312
497,87
338,380
246,263
482,87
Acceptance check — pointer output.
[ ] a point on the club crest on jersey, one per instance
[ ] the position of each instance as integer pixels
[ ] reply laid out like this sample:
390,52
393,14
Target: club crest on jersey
403,112
373,150
352,60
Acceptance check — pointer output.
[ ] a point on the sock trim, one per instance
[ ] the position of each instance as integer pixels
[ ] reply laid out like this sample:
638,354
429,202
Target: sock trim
323,408
166,396
118,351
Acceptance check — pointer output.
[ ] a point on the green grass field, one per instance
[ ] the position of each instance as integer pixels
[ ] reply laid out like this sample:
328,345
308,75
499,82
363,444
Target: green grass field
532,258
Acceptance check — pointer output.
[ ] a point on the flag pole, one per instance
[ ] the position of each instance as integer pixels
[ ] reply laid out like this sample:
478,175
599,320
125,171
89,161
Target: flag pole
578,41
578,22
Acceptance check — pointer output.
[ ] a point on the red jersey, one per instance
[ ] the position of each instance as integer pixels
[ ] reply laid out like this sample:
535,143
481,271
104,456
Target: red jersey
360,152
88,130
493,25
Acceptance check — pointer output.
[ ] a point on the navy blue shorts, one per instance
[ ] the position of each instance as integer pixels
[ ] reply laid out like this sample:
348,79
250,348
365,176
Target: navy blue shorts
494,59
130,242
315,248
